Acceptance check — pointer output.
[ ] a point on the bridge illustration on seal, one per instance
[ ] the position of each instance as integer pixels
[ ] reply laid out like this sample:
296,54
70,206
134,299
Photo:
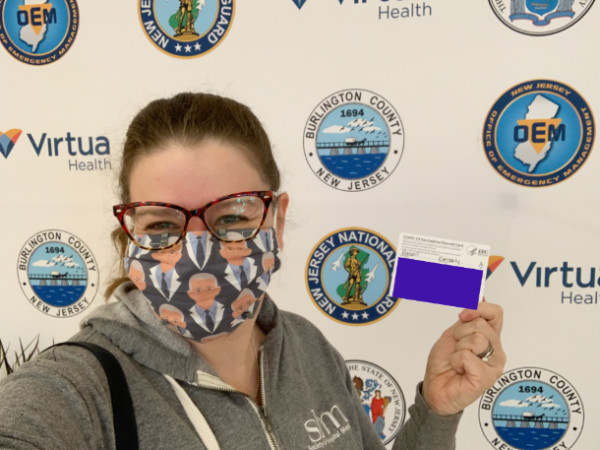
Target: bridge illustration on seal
363,147
58,279
530,421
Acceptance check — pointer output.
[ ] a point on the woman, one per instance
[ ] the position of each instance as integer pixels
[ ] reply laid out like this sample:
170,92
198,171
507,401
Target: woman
196,335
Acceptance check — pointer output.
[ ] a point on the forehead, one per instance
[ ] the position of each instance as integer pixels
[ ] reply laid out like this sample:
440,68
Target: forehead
191,175
202,281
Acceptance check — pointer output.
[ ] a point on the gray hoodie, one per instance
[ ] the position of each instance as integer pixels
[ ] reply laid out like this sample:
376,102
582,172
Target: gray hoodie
61,399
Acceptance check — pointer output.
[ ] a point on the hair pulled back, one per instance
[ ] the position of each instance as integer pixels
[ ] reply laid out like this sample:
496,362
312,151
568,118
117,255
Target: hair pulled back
189,118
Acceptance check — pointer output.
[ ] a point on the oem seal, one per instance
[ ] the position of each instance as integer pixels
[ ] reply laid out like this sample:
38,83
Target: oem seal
538,133
38,32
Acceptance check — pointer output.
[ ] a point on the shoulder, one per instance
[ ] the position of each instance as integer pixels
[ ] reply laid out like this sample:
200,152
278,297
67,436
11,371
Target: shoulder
302,337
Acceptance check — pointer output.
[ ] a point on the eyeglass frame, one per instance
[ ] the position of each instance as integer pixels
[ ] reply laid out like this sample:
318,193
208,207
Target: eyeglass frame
267,198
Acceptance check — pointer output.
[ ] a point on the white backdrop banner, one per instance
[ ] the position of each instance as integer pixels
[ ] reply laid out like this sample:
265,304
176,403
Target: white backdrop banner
471,122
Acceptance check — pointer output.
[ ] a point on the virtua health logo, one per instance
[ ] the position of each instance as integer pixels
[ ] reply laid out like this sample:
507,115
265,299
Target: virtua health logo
540,17
538,133
353,140
348,276
58,273
91,153
580,284
188,28
386,11
380,396
38,31
531,408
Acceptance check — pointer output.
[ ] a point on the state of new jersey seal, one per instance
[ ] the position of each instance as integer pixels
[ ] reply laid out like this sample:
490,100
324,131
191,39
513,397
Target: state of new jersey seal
381,397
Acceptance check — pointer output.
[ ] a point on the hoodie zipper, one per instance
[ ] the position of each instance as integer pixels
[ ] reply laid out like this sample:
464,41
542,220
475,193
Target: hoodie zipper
260,410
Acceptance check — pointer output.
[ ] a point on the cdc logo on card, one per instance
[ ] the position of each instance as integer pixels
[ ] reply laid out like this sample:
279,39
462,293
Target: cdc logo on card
58,273
187,28
348,276
353,140
539,133
531,408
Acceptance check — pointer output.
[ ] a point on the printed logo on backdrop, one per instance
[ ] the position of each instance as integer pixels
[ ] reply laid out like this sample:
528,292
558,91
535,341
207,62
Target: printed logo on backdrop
353,140
187,28
386,11
57,273
578,285
540,17
531,408
381,397
493,262
299,3
348,276
82,153
8,141
38,32
538,133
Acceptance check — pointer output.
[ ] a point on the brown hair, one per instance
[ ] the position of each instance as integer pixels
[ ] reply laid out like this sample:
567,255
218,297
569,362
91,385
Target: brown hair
190,118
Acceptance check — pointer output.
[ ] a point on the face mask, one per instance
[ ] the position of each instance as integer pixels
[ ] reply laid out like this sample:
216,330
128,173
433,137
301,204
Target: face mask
203,286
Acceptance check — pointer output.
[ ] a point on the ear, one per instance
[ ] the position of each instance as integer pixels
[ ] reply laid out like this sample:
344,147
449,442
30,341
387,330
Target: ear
282,203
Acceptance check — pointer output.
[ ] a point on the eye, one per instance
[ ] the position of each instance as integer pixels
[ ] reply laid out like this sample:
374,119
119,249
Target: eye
162,226
231,219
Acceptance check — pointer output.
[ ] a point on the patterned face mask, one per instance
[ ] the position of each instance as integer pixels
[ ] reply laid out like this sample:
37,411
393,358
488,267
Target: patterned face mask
203,286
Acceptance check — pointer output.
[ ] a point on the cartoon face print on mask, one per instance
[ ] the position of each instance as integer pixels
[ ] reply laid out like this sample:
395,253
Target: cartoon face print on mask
211,301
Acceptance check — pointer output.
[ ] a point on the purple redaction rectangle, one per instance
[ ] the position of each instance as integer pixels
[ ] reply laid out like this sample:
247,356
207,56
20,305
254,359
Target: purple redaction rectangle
437,283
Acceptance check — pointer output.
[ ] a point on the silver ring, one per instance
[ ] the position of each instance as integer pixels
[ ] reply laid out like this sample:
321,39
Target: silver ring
487,354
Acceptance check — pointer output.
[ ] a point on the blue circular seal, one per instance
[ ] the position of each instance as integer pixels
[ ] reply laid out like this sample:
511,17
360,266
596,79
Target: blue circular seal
187,29
538,133
58,273
531,408
540,17
40,32
381,397
353,140
348,276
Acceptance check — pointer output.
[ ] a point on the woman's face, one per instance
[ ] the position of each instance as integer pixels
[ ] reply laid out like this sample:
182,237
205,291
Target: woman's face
191,175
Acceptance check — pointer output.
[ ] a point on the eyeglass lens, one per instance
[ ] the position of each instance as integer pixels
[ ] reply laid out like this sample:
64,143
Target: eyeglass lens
231,220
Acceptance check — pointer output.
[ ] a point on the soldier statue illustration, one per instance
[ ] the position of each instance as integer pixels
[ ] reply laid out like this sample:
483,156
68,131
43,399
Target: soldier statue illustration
354,268
185,19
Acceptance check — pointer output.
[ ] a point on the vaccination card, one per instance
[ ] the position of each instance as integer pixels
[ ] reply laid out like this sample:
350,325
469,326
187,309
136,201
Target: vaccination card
439,270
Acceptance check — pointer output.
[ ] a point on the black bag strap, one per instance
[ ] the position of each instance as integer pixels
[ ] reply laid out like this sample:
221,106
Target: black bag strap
126,437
